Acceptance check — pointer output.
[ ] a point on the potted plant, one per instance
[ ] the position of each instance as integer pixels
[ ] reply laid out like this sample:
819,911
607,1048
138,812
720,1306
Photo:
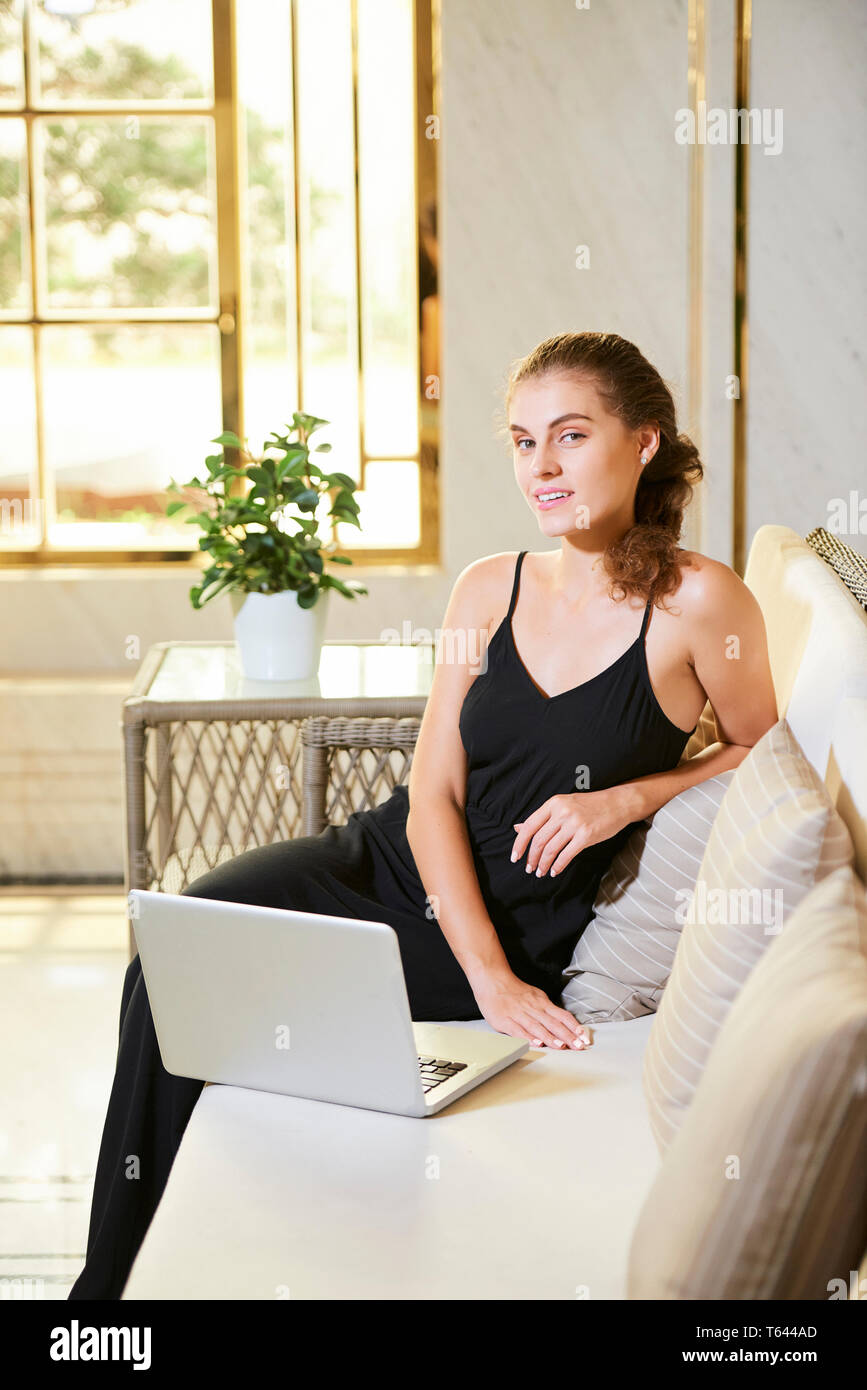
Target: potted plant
260,532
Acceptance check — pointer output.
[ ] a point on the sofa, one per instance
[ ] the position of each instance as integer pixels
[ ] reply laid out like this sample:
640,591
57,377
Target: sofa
554,1179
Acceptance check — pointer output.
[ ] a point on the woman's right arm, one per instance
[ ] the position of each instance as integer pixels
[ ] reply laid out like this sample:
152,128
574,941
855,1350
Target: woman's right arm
436,825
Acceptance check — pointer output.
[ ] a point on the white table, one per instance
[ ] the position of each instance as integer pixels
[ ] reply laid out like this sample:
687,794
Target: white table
526,1188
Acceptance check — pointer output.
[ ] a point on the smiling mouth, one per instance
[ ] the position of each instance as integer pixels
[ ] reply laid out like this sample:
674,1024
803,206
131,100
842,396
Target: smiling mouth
546,500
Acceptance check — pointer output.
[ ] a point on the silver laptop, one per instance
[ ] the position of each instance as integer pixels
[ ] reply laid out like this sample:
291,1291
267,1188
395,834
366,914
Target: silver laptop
302,1004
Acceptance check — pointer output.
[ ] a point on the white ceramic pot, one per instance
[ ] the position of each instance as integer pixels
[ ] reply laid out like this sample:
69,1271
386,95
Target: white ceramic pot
277,640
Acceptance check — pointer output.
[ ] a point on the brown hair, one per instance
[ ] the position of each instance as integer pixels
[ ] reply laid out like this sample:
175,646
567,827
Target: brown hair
646,559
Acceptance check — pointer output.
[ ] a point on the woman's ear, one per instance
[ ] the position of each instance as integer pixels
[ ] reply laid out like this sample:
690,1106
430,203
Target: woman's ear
648,441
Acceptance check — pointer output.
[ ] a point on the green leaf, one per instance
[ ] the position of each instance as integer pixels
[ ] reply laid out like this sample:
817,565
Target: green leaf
293,465
346,517
216,588
259,474
307,423
174,507
227,437
351,590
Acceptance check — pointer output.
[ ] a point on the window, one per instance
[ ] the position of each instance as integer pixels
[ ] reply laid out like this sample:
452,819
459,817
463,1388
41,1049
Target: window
213,214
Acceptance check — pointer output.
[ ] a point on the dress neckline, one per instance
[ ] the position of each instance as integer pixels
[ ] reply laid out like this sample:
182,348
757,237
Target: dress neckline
591,680
571,691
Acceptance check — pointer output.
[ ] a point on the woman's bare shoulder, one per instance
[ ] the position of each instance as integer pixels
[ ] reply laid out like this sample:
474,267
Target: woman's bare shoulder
712,593
483,586
487,575
705,581
489,567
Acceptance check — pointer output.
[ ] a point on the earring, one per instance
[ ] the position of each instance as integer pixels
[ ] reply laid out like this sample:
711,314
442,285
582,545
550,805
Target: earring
644,458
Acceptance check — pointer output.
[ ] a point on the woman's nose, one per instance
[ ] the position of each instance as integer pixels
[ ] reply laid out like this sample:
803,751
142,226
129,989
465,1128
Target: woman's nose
542,466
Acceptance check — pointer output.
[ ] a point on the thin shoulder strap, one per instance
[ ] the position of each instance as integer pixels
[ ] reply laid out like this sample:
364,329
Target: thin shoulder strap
647,608
518,564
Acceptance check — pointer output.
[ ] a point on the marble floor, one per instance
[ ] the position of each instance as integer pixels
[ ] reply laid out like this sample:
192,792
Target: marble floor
63,955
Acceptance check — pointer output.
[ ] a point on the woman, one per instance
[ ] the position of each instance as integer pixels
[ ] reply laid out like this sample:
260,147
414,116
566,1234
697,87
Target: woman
532,766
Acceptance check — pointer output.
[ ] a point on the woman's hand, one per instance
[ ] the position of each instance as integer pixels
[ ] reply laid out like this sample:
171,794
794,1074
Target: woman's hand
522,1011
566,824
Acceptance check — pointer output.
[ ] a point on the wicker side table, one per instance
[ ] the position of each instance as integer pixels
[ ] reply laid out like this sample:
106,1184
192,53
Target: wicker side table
213,762
352,764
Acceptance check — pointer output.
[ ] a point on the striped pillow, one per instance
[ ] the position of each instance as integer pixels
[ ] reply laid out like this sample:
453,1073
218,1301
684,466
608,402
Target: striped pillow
762,1193
624,956
777,834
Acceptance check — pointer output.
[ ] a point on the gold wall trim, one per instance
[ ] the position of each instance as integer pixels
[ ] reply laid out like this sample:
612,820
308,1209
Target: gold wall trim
230,183
743,39
296,205
427,62
697,91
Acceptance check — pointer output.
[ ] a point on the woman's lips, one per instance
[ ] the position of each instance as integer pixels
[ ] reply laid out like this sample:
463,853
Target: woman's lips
556,502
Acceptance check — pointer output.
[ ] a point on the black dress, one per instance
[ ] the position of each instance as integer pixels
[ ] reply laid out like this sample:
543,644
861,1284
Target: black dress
522,748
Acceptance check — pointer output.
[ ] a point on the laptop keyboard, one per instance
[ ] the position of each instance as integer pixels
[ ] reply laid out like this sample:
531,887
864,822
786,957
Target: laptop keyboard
434,1071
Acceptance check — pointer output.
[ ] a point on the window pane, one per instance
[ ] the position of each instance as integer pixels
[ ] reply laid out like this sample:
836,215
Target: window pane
14,227
389,293
11,54
326,171
20,509
389,505
265,95
128,207
143,50
127,408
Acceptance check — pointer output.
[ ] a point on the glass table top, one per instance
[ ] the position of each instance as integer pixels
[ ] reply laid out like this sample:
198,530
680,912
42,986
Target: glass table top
347,670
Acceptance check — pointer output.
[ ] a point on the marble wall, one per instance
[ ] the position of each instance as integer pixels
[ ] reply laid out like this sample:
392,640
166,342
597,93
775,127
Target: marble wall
558,133
807,272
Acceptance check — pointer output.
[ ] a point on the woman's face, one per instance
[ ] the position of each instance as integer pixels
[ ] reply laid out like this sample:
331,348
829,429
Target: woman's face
576,463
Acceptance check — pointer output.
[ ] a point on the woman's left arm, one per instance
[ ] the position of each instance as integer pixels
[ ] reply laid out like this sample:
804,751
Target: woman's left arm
729,655
726,646
646,794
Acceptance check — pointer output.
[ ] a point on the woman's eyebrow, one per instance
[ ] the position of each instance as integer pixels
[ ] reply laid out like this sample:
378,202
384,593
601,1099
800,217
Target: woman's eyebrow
573,415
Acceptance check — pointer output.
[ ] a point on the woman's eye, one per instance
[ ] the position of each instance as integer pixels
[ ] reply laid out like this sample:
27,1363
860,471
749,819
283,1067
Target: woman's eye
520,442
574,434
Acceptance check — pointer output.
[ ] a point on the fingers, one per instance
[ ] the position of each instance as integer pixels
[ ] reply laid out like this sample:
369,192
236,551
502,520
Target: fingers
549,844
566,856
541,857
556,1027
537,1033
528,830
574,1029
567,1034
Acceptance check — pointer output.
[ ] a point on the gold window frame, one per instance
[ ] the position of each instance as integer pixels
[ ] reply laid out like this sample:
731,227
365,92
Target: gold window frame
228,318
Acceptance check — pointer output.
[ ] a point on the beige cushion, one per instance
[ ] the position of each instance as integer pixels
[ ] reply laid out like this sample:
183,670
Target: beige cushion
706,733
776,834
816,631
762,1193
623,958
